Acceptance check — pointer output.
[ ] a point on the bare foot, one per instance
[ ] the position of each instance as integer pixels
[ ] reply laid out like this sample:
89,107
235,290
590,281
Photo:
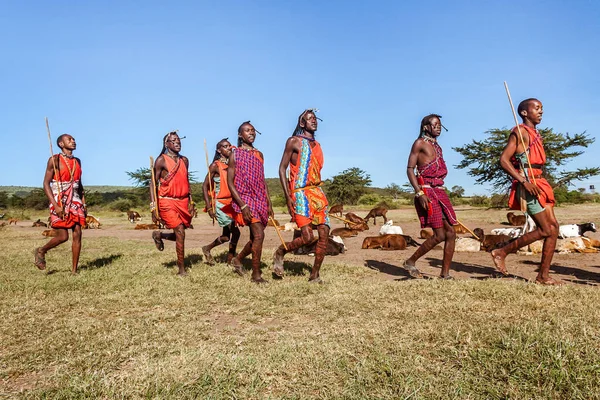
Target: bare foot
182,273
237,266
258,280
549,282
39,259
447,277
158,242
278,264
230,257
499,262
316,280
208,258
412,270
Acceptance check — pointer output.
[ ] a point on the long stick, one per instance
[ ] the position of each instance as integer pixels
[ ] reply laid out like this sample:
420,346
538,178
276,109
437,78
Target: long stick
344,220
470,231
210,182
58,186
153,194
512,107
278,233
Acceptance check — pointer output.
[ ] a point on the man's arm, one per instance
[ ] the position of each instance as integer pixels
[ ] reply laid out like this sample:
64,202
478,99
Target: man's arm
159,167
213,169
512,147
269,205
82,191
246,213
186,162
48,176
413,159
290,148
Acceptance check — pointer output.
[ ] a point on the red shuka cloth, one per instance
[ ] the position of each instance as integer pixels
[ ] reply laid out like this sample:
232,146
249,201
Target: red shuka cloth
173,194
69,180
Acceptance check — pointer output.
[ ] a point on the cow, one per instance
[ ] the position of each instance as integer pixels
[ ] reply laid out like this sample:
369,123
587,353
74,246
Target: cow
377,212
514,219
344,232
3,223
579,244
273,222
39,224
50,233
2,215
491,242
13,221
145,226
355,222
389,229
426,233
337,209
574,230
133,216
335,246
289,227
92,222
384,242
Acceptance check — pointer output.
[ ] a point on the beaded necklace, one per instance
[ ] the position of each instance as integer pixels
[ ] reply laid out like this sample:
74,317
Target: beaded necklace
71,170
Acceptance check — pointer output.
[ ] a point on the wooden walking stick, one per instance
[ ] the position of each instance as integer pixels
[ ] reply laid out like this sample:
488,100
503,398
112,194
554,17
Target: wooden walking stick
278,233
343,220
58,188
153,193
210,183
512,107
468,230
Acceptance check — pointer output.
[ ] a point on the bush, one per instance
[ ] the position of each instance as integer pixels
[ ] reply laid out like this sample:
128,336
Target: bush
369,199
479,201
278,201
122,205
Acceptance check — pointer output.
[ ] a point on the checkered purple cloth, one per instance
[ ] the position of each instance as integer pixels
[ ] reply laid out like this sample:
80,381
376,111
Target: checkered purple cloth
250,183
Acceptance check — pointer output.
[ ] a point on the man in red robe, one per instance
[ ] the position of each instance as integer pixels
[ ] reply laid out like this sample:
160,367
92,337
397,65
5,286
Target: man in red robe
523,159
62,185
174,198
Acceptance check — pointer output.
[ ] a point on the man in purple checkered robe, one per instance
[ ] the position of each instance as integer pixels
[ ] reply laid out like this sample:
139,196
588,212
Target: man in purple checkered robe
431,201
246,181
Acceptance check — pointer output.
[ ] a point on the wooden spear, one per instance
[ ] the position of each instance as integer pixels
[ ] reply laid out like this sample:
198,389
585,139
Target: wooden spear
58,188
210,183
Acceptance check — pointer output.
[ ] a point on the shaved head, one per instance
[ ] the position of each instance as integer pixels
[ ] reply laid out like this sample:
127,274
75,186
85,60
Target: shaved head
524,104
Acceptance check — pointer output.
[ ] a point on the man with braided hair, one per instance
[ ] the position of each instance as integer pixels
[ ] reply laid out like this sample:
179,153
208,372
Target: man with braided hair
221,196
175,203
306,201
63,187
431,201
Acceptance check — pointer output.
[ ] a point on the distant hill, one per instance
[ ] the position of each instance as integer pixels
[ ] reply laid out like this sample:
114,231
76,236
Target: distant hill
25,190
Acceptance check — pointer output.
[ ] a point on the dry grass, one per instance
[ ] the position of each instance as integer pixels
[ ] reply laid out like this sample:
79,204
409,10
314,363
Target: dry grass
127,327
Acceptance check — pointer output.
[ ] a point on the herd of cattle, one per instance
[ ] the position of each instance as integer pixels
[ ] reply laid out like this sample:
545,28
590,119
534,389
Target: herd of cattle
391,237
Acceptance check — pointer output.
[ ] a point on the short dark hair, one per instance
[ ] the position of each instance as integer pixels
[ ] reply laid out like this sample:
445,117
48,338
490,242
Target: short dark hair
60,138
524,104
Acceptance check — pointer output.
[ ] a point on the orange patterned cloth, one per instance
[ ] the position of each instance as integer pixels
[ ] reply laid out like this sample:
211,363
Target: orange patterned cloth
174,194
68,183
310,202
537,158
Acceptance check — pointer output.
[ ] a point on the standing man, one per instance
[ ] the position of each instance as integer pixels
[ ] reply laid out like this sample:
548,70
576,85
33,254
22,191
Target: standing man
431,201
62,185
523,160
306,201
175,203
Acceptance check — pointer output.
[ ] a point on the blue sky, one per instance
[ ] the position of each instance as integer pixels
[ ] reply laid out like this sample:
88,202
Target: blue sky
118,75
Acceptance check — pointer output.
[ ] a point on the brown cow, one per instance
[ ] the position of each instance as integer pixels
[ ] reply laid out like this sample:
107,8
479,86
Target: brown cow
337,209
426,233
13,221
39,224
384,242
491,242
344,232
50,233
146,226
333,247
133,216
91,222
3,223
377,212
357,223
273,222
515,220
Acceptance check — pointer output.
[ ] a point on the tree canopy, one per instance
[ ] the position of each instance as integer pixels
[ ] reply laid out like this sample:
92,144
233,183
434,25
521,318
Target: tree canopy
482,158
348,186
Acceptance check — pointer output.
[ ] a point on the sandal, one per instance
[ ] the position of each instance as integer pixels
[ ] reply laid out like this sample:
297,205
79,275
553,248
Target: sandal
39,260
412,271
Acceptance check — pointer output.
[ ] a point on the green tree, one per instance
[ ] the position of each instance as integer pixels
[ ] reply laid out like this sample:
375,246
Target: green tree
457,192
482,158
348,186
395,190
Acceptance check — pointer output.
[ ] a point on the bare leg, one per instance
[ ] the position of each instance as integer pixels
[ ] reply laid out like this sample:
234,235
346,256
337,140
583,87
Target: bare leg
257,232
439,235
235,237
76,247
449,244
40,253
179,233
224,238
320,250
237,261
306,237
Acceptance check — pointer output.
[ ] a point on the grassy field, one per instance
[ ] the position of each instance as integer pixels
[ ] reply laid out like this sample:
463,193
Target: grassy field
127,327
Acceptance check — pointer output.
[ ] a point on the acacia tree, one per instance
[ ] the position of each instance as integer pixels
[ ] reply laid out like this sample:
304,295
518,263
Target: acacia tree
482,158
348,186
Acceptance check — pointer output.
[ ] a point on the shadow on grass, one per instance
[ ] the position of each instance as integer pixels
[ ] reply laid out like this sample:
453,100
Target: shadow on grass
491,272
188,261
389,269
100,262
582,276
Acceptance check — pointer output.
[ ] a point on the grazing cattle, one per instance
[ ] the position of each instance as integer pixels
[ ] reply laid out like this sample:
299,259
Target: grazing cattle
92,222
389,229
337,209
50,233
344,232
356,222
335,246
491,242
574,230
133,216
377,212
146,226
39,224
464,244
515,220
384,242
354,218
13,221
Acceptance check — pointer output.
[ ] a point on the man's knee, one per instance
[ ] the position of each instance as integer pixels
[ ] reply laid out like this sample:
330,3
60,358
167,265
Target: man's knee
551,230
450,234
439,235
224,239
